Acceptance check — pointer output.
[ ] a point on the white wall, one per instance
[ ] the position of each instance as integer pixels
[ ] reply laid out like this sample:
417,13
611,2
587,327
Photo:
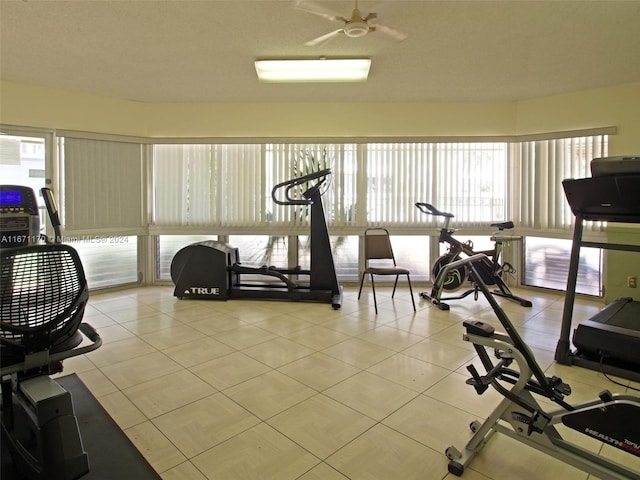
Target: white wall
34,106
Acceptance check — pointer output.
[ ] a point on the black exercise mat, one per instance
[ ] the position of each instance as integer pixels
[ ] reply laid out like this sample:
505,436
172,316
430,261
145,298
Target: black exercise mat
111,453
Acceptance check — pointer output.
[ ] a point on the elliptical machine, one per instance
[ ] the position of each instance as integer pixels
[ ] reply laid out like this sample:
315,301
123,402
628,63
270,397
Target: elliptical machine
612,419
212,270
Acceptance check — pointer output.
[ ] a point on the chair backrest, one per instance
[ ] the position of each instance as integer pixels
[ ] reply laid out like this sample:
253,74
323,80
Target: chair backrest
377,245
43,294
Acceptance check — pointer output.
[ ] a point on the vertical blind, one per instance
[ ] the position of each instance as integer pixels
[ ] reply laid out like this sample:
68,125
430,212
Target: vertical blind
208,185
239,191
542,166
471,181
231,185
397,176
103,187
372,183
289,161
466,179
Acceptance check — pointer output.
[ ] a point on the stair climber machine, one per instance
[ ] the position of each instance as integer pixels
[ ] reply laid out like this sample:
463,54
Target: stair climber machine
534,409
212,270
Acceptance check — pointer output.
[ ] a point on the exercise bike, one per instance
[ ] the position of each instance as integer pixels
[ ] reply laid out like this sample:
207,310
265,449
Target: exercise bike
612,419
491,268
43,295
212,270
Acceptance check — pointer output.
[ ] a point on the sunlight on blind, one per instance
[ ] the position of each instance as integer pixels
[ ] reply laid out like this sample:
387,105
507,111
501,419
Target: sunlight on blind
466,179
543,165
102,186
372,183
203,185
341,205
280,167
398,175
470,181
239,186
183,180
288,161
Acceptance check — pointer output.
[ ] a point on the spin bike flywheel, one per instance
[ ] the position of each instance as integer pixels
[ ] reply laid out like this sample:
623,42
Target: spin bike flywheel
455,277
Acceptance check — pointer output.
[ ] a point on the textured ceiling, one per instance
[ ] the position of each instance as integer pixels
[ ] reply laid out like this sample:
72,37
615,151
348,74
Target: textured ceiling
203,51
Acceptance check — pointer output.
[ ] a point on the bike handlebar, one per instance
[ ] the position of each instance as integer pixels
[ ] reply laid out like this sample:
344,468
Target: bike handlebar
84,328
431,210
319,175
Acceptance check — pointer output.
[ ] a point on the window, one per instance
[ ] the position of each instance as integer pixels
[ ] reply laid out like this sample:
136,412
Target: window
102,187
228,188
225,189
466,179
231,185
541,166
108,260
345,255
23,162
543,207
547,265
102,206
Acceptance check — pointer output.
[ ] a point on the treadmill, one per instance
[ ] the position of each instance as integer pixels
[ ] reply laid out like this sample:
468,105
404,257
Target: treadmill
610,340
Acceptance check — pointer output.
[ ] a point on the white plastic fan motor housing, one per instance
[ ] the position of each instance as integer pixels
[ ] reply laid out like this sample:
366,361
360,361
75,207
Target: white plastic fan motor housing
356,28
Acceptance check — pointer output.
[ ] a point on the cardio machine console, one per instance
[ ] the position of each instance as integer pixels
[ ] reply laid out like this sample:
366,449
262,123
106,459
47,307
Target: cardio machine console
19,216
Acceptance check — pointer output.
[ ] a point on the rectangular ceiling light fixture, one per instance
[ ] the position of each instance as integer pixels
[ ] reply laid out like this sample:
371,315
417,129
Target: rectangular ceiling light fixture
313,71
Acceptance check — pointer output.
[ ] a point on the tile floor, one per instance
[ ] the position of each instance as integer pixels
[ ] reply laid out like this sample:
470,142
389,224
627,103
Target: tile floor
276,390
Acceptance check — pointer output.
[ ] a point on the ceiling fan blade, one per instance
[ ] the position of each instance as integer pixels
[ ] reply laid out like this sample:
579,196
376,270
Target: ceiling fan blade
318,10
324,38
397,35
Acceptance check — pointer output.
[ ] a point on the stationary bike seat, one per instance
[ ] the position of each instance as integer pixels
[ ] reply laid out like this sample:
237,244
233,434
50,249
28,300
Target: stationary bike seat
503,225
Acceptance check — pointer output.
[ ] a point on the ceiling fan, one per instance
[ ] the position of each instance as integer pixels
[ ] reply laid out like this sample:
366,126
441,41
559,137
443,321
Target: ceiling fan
355,26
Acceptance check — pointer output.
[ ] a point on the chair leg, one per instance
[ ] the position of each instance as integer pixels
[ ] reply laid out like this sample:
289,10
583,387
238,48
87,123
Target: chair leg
395,284
373,288
411,291
361,282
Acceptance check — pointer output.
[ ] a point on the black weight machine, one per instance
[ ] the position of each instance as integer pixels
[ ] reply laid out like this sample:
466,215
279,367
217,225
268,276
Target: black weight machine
490,268
43,295
612,419
212,270
609,341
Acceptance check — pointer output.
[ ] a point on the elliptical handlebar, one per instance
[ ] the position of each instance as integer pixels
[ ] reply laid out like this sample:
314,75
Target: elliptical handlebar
319,175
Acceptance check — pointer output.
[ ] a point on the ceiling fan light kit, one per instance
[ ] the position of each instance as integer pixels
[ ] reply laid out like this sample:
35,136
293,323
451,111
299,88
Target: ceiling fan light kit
313,70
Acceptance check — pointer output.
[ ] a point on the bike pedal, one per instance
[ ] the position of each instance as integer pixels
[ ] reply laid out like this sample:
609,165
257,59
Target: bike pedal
606,396
476,327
